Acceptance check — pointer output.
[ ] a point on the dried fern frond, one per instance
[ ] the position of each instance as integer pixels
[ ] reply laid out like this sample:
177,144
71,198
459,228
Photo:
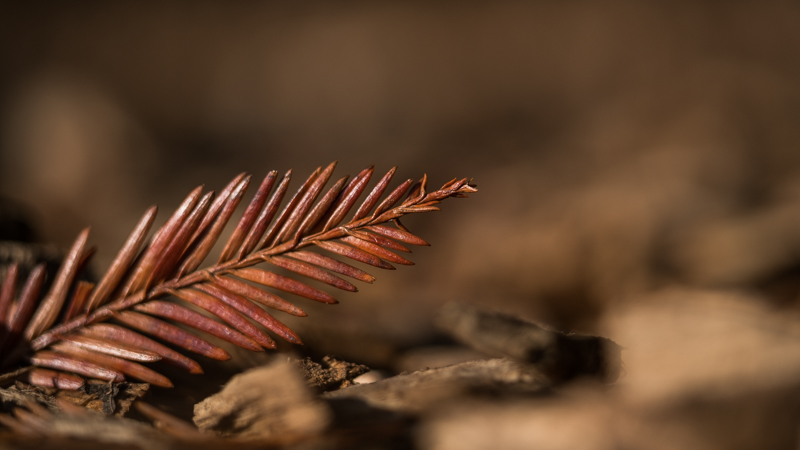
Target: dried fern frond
109,330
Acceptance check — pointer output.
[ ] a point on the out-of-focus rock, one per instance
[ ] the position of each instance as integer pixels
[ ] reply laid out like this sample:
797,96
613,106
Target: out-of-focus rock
683,344
419,391
263,403
562,356
707,370
741,250
433,356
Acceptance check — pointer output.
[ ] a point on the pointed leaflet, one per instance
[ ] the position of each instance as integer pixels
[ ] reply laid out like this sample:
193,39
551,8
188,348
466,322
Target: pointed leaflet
258,295
78,300
217,205
392,198
178,245
379,240
55,380
172,334
250,310
117,333
376,250
160,242
298,213
117,349
67,363
374,195
269,238
113,363
7,292
284,284
122,261
334,265
226,313
24,309
51,305
349,197
249,217
320,209
198,321
311,272
417,192
354,253
207,241
265,217
400,235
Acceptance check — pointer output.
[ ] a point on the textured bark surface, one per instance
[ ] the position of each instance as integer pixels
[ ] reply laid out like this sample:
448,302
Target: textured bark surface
420,391
263,403
561,356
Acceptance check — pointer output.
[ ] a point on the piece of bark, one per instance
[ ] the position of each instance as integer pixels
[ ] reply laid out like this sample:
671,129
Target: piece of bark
422,390
706,370
109,398
331,374
264,403
90,429
561,356
20,393
433,356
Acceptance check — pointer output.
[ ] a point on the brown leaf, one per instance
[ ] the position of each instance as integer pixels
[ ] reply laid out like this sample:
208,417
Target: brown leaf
304,205
349,197
331,264
277,226
226,313
319,210
310,271
374,195
250,310
47,313
284,284
79,298
400,235
7,292
206,242
122,262
126,367
376,250
117,349
119,334
196,320
55,380
354,253
249,217
258,295
180,242
24,308
172,334
265,217
380,240
61,361
160,241
393,197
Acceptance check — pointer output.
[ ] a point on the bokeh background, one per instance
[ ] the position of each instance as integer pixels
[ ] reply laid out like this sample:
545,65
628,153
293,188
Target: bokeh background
620,148
627,154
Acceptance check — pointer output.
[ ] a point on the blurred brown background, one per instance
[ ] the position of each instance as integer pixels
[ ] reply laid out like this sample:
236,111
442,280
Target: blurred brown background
620,147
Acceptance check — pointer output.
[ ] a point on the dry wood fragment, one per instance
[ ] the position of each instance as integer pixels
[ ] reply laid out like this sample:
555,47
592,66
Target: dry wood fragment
331,374
264,403
420,391
562,356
